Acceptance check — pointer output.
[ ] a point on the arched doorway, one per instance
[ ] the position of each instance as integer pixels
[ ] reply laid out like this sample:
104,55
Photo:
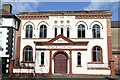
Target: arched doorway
60,63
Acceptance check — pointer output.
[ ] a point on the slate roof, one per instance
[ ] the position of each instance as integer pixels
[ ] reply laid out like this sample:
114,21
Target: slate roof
115,24
66,12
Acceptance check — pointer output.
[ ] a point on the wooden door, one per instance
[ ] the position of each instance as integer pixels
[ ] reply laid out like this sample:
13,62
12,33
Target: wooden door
60,64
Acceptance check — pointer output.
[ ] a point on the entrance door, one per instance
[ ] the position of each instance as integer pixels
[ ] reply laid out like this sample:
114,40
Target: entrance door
60,63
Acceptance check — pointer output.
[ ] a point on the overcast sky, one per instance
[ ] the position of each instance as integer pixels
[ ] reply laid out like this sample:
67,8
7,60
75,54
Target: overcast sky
25,6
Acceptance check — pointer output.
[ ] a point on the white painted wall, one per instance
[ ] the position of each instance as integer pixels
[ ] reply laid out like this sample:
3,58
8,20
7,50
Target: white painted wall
3,42
86,55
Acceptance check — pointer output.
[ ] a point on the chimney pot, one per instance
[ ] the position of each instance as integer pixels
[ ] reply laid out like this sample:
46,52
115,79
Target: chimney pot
7,7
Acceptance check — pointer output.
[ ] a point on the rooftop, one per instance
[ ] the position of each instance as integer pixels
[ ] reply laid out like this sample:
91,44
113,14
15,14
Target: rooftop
66,12
115,24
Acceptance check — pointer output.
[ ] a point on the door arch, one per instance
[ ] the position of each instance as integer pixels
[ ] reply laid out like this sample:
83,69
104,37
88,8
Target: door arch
60,63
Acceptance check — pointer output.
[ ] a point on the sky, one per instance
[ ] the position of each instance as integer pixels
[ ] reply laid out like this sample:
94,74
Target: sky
36,6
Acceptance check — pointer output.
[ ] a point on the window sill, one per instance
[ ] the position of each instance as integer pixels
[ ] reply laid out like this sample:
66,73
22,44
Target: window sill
27,62
78,66
95,63
24,67
42,65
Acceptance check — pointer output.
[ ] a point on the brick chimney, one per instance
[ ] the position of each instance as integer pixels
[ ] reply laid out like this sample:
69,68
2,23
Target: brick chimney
7,7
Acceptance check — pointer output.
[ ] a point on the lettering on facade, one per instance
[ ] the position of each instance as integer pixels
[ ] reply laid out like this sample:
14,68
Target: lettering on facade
59,47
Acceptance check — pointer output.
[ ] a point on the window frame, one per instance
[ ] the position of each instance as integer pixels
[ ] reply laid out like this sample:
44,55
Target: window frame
78,59
62,31
43,31
55,31
42,60
96,32
101,56
29,31
28,56
68,32
81,31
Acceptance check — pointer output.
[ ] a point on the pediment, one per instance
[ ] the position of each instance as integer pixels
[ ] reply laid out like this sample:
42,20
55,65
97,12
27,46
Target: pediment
60,39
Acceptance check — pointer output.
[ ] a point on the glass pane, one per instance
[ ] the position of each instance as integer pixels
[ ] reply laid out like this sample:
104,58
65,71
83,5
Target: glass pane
45,32
26,56
68,31
42,58
27,31
97,54
31,32
79,58
55,32
94,56
30,55
96,31
81,31
62,31
41,31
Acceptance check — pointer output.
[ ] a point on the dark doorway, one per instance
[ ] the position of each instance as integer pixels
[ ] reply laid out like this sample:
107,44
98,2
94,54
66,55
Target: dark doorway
60,63
4,61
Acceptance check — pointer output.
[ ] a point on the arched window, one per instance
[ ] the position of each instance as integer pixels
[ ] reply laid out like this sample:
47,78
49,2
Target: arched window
55,31
28,53
97,54
29,31
81,31
42,58
78,58
68,32
62,30
43,31
96,31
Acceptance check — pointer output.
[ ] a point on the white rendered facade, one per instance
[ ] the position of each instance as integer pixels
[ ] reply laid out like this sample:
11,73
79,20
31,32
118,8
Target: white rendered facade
54,47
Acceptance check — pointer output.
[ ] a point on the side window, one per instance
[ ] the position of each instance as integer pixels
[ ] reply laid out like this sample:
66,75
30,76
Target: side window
97,54
68,32
78,58
42,58
62,30
27,54
29,31
55,30
96,31
43,31
81,31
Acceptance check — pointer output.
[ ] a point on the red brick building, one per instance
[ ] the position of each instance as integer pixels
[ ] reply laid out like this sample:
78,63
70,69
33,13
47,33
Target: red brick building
116,45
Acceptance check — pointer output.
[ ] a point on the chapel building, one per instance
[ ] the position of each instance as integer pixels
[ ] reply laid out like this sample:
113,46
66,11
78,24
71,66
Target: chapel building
71,43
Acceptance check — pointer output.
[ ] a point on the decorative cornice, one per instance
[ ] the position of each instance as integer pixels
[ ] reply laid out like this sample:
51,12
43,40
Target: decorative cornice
79,14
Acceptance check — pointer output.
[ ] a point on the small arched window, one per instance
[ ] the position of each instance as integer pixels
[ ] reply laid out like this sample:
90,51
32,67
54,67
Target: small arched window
97,54
68,32
55,31
29,31
62,30
81,31
42,58
43,31
96,31
27,53
78,58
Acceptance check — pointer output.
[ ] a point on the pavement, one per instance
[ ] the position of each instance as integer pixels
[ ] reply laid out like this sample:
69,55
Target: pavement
66,78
